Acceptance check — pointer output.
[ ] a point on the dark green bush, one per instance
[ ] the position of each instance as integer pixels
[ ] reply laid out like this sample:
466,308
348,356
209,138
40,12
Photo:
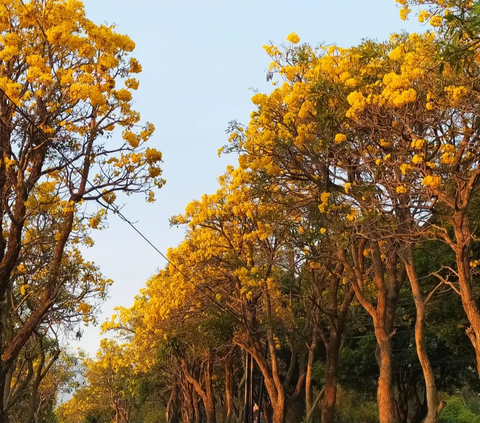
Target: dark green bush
456,412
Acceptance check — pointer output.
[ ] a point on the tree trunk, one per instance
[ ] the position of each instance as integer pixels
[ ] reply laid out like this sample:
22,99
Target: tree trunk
271,378
315,404
8,386
3,372
279,412
172,409
279,405
209,393
331,379
229,388
191,404
33,402
267,412
308,379
196,408
268,365
269,381
299,386
388,277
385,398
463,249
430,388
117,413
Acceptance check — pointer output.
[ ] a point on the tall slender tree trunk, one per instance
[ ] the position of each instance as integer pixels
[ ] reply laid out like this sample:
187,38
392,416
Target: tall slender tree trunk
209,393
462,249
196,408
331,379
308,378
279,404
188,412
117,413
229,388
433,404
271,376
388,278
4,387
33,402
385,397
172,409
268,364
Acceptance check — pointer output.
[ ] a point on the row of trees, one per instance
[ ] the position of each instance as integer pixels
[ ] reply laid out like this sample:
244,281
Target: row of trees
65,85
342,252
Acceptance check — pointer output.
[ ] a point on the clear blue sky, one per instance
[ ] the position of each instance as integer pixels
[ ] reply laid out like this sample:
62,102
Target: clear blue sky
200,58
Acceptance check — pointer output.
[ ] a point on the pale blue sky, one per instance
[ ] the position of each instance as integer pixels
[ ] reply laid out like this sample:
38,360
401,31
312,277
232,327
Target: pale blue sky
200,58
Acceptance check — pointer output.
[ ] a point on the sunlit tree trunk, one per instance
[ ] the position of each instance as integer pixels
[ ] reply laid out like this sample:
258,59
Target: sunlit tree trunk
388,275
433,405
229,388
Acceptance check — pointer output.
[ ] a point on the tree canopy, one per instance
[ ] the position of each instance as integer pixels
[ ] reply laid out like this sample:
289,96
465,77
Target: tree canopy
333,276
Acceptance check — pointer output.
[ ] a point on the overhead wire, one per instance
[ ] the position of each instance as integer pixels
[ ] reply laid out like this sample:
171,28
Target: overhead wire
113,207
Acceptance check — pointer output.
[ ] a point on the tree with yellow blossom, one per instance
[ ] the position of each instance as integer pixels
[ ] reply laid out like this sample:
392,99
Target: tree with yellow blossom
382,137
353,170
224,289
239,246
296,137
111,386
311,139
66,84
425,156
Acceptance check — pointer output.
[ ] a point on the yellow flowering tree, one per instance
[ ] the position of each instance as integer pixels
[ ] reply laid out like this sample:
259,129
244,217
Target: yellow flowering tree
455,21
179,333
300,138
313,137
65,83
428,166
111,386
224,289
81,289
238,246
386,146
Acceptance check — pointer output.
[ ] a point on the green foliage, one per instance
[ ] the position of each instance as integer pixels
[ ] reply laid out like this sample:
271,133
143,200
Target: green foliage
353,407
456,412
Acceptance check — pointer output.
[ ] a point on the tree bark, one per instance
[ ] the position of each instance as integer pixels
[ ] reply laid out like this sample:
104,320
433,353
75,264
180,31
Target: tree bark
209,393
430,388
385,396
188,413
308,378
331,379
172,409
278,405
268,364
196,408
229,388
315,404
34,394
388,276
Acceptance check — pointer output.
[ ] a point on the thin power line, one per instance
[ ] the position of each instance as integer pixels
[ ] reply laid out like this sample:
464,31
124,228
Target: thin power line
117,210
